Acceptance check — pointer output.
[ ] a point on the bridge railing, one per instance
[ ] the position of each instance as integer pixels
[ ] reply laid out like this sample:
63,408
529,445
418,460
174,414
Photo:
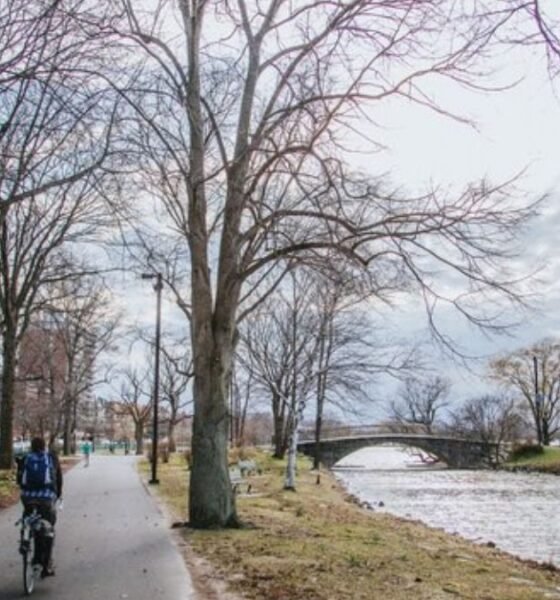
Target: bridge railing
348,431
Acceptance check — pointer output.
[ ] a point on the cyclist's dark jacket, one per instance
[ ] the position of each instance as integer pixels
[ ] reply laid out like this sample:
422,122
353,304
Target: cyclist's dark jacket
48,493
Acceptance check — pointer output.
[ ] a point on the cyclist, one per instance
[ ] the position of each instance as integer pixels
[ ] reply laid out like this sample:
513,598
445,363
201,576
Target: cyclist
40,479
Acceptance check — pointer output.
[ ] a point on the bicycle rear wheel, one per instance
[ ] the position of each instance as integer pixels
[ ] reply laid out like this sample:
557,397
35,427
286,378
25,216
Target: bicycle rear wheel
30,571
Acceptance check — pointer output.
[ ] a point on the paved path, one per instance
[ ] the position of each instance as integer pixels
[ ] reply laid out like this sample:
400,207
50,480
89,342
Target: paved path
112,541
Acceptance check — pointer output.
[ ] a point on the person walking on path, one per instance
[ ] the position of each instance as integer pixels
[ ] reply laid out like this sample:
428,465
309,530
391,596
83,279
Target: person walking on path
114,542
86,451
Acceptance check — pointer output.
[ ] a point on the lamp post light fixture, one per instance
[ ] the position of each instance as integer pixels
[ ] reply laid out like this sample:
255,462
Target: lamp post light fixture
158,286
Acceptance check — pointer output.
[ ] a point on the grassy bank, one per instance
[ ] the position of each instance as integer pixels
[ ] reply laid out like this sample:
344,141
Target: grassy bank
316,544
535,458
9,491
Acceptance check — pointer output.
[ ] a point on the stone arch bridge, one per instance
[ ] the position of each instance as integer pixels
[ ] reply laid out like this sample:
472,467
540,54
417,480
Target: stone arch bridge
456,452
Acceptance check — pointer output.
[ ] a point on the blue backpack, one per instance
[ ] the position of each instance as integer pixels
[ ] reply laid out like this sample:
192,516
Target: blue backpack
38,472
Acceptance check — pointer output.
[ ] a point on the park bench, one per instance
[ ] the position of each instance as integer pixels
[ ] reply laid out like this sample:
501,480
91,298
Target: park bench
248,467
237,480
238,473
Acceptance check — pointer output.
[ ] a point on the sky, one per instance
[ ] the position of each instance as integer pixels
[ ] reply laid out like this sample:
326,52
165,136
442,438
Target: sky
517,131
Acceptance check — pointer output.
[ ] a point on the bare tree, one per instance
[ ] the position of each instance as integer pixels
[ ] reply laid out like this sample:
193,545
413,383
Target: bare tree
493,420
351,351
420,402
534,374
175,378
52,105
83,320
39,383
59,358
277,350
244,143
241,393
54,138
135,402
31,235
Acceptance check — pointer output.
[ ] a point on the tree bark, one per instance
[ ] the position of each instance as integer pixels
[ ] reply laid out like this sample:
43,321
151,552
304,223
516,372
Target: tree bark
67,436
321,376
290,480
7,399
211,499
279,427
171,445
139,437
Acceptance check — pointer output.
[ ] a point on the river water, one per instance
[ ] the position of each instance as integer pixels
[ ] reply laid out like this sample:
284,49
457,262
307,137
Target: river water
519,512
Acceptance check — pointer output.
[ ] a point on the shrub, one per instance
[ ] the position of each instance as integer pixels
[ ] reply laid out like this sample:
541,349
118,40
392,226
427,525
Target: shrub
526,451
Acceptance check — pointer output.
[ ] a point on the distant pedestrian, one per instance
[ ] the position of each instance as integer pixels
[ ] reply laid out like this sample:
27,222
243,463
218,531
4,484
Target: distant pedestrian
86,450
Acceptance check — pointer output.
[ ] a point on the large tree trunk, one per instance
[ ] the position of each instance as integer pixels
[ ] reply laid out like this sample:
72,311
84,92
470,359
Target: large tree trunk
545,434
278,426
171,445
7,399
290,480
211,499
67,434
139,437
321,380
318,427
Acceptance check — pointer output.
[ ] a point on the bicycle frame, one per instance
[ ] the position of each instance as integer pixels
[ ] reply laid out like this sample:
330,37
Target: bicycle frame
31,529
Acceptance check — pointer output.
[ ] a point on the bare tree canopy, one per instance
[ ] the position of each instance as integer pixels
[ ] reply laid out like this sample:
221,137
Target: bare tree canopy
246,117
33,259
278,349
56,120
421,402
175,377
55,111
135,402
533,373
59,363
538,25
491,419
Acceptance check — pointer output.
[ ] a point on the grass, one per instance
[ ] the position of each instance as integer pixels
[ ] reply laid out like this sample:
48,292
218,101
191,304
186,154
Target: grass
536,458
9,492
316,544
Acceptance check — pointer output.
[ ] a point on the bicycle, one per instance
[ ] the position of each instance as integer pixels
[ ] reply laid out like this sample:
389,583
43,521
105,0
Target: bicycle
33,530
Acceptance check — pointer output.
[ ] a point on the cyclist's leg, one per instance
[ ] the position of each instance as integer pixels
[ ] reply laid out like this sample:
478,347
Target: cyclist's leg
48,512
38,549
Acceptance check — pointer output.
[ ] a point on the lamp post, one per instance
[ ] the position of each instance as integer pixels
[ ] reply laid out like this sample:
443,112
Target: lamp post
158,286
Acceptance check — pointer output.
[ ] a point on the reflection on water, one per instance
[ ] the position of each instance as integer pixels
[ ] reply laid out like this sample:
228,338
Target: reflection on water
518,512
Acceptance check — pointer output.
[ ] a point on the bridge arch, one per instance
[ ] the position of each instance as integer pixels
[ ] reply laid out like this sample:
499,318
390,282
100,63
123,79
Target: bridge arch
455,452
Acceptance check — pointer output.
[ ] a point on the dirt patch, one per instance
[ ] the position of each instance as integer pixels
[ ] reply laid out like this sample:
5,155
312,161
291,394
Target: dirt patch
207,581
